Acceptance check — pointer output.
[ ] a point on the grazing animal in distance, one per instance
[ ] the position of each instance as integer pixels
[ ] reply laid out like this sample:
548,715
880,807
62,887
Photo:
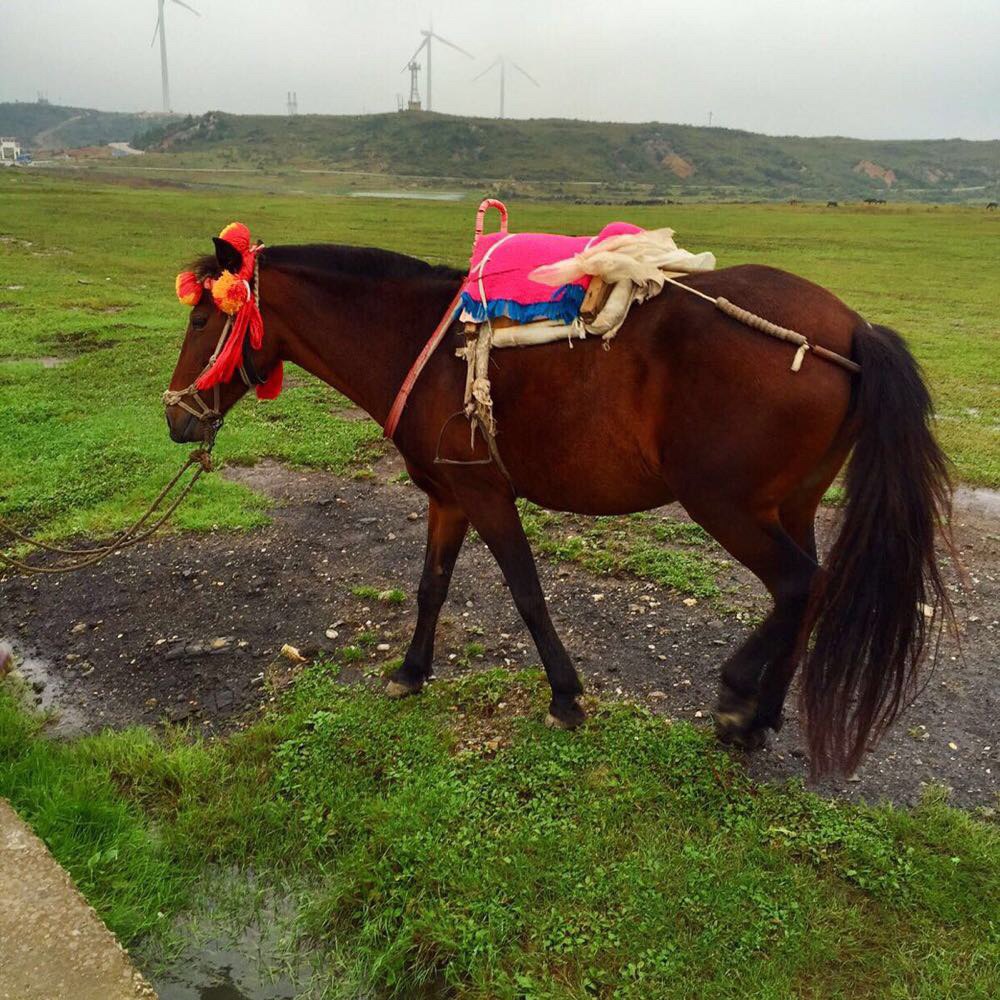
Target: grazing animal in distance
832,204
992,206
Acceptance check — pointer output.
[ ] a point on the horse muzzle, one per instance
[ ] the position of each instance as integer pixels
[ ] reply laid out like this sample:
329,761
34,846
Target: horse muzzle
190,418
185,428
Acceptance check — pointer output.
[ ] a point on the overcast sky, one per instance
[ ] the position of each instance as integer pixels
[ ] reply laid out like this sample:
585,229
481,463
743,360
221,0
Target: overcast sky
867,68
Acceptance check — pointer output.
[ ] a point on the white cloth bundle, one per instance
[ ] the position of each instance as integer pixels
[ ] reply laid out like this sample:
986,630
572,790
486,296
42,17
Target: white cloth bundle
641,258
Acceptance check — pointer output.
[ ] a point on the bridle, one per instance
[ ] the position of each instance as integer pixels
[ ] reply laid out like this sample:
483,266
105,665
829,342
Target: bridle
190,399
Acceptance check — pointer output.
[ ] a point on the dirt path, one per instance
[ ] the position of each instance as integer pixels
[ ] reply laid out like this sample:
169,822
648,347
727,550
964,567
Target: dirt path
52,944
182,629
43,138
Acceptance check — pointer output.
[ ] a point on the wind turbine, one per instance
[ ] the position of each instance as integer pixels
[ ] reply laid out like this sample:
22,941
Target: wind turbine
429,35
161,31
502,61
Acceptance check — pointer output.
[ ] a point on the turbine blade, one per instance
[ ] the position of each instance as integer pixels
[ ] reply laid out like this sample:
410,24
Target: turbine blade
496,62
414,56
524,73
181,3
156,30
452,45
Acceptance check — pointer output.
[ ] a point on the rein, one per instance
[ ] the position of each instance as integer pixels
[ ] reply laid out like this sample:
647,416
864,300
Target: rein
191,401
762,325
396,411
133,535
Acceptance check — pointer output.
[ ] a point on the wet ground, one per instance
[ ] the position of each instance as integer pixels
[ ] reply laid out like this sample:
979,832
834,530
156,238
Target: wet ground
242,967
183,628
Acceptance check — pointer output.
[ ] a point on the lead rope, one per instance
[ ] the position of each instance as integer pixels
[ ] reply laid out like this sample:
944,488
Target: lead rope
132,535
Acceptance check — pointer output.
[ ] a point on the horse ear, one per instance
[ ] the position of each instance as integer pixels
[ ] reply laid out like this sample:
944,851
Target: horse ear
227,255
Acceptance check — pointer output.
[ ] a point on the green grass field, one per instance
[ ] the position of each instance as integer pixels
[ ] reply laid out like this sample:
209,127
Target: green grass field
86,276
453,845
447,847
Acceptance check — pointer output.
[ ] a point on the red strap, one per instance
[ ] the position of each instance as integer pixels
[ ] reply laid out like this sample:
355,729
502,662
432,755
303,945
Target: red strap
392,421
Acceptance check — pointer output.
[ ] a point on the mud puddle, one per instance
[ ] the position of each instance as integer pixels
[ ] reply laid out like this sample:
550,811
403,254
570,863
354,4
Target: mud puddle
224,971
411,195
43,687
222,957
979,500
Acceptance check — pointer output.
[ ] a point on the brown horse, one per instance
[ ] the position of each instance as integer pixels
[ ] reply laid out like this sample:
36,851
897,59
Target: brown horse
688,405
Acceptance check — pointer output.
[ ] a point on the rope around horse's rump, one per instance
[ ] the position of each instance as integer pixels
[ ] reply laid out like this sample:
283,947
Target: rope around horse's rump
756,322
133,535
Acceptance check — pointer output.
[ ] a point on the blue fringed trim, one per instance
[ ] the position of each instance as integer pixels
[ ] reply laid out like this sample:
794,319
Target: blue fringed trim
563,307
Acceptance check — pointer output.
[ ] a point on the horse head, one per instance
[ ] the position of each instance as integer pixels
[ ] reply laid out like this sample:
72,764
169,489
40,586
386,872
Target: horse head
223,352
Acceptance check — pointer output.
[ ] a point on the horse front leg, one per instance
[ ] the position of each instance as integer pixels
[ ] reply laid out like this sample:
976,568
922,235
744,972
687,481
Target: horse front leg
496,519
446,528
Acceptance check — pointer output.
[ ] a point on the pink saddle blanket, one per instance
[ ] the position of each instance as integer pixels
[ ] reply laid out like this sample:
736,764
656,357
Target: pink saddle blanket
503,262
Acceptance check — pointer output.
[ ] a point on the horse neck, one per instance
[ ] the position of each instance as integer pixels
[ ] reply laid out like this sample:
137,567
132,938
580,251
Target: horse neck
357,335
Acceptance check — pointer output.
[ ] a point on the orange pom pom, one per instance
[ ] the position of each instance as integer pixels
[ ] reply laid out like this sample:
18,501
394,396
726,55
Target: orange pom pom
230,292
188,288
237,235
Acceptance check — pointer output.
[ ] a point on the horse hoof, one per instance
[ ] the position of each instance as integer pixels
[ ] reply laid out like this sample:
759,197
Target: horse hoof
747,740
732,728
568,718
395,690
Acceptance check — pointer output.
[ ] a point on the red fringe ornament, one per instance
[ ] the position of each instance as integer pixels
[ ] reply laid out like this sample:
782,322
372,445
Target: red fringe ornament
188,288
271,389
233,295
237,236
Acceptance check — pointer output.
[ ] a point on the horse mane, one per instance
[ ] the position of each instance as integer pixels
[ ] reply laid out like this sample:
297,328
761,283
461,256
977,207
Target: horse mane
334,258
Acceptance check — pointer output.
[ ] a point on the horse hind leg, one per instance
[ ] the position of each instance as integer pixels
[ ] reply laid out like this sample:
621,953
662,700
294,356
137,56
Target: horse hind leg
798,518
744,710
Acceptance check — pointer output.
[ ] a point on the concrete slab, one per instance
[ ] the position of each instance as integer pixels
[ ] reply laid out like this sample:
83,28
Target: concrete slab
53,946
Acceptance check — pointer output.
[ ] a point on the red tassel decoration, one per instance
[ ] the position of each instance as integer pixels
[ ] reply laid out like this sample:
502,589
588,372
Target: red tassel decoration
271,389
233,294
188,288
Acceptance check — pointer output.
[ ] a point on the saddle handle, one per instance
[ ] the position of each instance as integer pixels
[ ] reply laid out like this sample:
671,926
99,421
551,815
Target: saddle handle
484,206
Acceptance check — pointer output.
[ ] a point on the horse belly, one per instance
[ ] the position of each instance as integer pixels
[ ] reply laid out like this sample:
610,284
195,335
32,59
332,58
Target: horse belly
580,488
584,435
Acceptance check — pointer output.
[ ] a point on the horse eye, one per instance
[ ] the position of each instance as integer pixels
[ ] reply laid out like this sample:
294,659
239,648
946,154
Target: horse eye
198,322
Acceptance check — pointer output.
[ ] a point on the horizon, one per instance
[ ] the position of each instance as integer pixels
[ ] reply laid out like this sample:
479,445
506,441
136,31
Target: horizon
540,118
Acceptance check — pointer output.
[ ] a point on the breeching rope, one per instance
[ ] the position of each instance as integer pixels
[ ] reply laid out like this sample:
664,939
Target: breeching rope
133,535
756,322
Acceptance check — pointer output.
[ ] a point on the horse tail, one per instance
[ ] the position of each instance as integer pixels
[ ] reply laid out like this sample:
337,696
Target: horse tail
870,609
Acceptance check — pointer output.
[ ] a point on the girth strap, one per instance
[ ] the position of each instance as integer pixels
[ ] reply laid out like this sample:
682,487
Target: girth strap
399,404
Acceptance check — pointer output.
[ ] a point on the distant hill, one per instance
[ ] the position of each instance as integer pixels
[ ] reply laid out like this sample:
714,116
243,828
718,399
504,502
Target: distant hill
50,126
668,159
621,160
